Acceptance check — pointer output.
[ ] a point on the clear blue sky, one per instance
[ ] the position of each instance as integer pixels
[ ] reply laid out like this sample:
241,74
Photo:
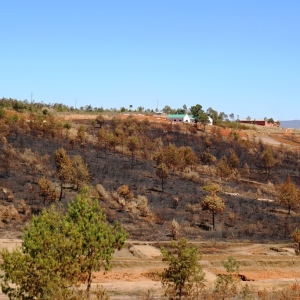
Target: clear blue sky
236,56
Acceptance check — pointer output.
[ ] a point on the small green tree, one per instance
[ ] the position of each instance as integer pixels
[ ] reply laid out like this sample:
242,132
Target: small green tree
226,283
47,263
2,113
214,204
212,188
184,276
60,250
99,239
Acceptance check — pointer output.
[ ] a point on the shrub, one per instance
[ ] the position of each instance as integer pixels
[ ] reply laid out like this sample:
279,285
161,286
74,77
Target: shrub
142,205
59,250
212,188
175,229
184,276
125,192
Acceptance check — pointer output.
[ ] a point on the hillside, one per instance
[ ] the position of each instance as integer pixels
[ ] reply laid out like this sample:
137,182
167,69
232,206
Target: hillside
28,155
290,124
123,155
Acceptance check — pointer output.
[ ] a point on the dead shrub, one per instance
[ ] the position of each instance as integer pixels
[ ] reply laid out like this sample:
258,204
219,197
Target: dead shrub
175,202
269,189
231,217
8,213
142,205
103,194
22,209
207,170
192,176
125,192
250,229
193,208
121,201
97,293
110,215
175,229
160,217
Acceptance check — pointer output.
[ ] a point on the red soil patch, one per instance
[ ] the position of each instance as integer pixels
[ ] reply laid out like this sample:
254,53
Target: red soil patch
271,274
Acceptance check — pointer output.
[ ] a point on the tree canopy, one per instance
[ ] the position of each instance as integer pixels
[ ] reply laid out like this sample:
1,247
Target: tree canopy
61,250
184,275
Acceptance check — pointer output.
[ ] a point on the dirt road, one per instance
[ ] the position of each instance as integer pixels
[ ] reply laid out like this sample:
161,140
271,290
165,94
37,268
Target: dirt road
135,267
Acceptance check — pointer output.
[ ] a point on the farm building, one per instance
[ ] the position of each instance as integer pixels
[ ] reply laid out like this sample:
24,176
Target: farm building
184,118
261,122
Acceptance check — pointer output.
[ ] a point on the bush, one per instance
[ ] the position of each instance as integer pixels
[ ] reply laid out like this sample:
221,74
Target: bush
184,276
59,250
125,192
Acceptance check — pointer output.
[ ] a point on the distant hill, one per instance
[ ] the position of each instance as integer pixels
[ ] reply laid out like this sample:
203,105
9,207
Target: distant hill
290,124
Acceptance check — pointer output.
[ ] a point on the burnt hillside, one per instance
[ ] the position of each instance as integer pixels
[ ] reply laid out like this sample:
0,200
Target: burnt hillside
123,156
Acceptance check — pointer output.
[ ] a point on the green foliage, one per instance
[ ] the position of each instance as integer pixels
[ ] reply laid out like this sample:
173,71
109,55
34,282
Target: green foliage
2,113
196,110
184,276
231,265
99,239
213,203
47,263
212,188
61,250
226,283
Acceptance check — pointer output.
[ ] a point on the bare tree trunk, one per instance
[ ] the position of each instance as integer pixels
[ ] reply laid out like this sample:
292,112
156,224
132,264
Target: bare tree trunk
61,190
